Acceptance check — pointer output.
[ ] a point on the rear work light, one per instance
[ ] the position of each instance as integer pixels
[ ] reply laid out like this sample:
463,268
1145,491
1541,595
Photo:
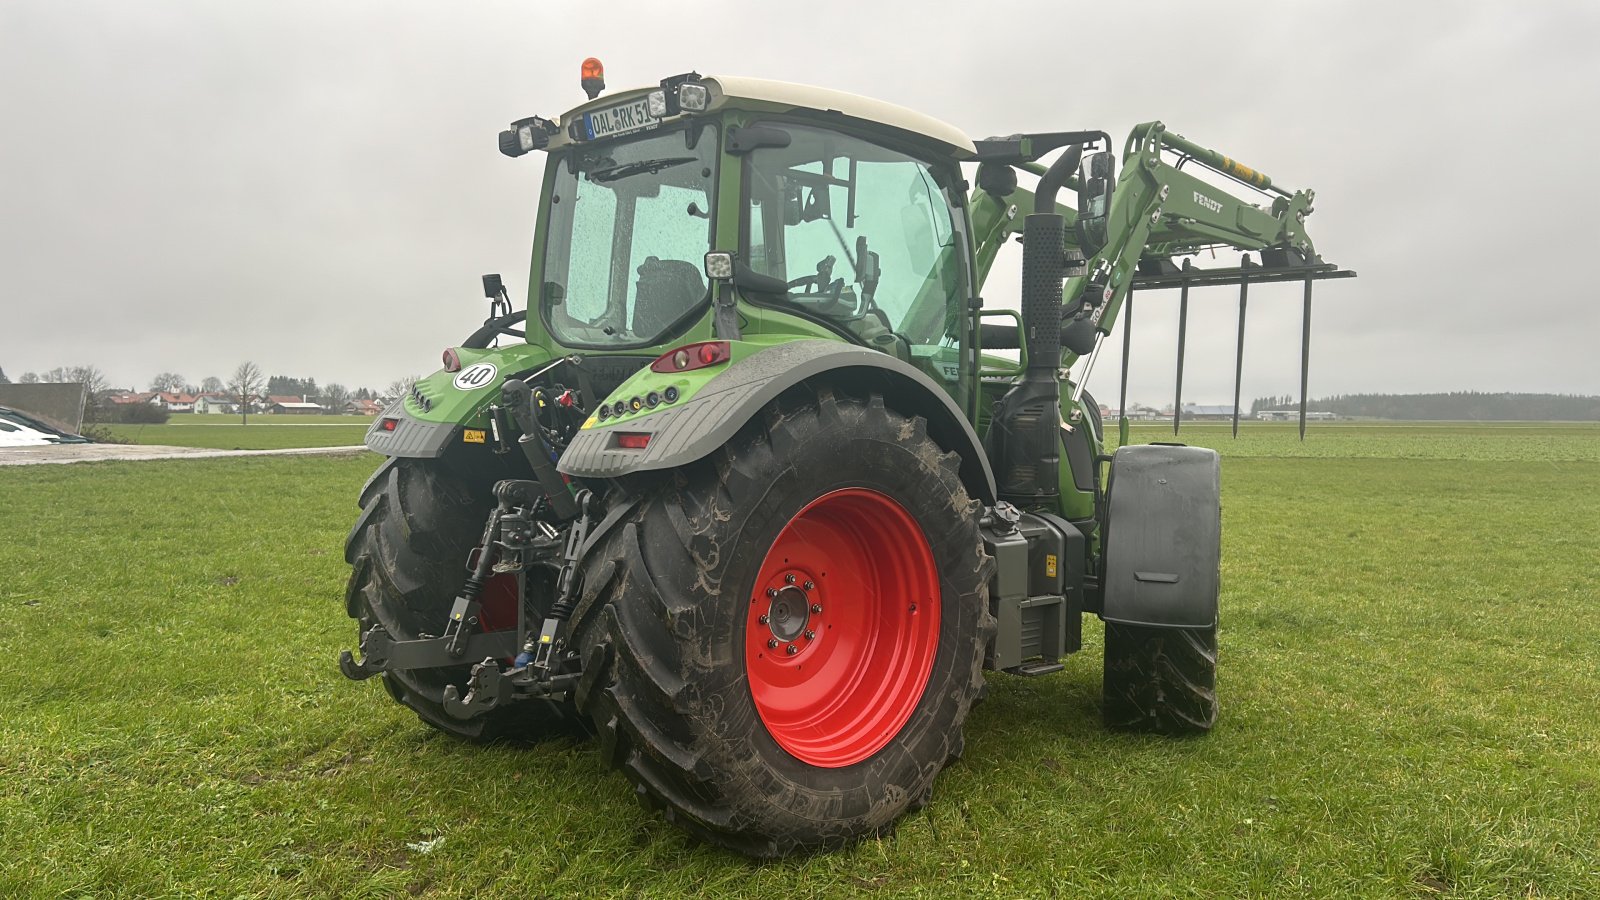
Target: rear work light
692,356
633,440
694,97
452,360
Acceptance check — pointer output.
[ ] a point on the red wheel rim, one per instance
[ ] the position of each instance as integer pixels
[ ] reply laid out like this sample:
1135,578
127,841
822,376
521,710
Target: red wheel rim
843,627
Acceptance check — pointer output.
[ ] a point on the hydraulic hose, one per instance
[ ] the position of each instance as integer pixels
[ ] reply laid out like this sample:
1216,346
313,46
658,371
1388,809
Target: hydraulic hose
516,394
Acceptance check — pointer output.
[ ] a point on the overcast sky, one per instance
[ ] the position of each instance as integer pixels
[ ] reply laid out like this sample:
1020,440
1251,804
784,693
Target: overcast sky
315,186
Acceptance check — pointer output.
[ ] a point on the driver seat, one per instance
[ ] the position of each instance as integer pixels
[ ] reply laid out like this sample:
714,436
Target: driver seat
667,289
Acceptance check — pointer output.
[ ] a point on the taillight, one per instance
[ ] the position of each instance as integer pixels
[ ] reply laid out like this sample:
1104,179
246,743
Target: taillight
692,356
632,440
389,424
452,361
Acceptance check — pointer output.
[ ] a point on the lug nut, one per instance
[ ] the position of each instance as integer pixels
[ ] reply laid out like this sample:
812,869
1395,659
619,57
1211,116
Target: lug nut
792,650
772,592
764,619
789,578
810,635
810,585
816,607
772,643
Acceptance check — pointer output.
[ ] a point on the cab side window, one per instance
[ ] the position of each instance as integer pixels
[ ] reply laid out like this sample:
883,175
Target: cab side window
862,235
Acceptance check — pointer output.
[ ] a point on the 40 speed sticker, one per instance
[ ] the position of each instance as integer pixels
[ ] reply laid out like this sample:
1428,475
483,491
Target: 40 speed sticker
475,376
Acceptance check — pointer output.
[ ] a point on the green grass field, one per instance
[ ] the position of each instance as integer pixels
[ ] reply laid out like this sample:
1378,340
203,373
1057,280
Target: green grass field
1409,672
260,433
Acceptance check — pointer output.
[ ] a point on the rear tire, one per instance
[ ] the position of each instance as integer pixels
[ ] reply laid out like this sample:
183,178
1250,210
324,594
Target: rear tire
757,753
1161,680
408,552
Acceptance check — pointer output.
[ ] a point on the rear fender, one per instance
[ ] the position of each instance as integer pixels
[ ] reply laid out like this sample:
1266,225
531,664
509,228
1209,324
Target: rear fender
1163,537
428,420
688,431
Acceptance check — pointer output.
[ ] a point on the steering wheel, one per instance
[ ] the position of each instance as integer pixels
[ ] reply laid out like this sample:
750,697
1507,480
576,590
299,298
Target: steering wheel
822,284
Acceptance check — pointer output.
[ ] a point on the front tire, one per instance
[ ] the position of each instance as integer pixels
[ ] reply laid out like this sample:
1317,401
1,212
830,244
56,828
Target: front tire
1160,680
689,612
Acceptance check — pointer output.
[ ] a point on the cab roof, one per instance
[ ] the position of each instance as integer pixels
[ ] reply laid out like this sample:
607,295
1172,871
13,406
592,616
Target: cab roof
783,96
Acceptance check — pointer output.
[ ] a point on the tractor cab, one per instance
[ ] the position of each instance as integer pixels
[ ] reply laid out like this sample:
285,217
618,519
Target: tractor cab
835,217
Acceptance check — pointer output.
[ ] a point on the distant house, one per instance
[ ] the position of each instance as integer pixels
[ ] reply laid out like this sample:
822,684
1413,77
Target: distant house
1293,415
1203,411
215,403
293,405
128,398
175,402
363,407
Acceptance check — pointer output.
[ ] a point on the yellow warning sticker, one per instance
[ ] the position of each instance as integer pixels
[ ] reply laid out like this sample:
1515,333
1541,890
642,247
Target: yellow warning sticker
472,435
1049,565
589,422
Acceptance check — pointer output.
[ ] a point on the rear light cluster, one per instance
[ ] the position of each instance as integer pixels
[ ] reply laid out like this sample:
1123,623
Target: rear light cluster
692,356
687,358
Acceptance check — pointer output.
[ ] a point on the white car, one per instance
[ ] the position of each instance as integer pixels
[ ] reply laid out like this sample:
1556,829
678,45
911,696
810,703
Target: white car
21,430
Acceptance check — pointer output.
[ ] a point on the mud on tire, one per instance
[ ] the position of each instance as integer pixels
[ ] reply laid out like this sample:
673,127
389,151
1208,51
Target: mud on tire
664,626
408,552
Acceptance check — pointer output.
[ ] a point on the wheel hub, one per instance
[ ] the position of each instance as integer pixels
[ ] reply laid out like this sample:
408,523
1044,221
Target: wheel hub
789,613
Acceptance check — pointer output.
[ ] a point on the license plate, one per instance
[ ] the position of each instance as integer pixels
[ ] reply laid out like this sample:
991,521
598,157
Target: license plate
618,119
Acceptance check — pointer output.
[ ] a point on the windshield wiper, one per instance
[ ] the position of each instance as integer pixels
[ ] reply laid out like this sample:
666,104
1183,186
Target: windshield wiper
618,172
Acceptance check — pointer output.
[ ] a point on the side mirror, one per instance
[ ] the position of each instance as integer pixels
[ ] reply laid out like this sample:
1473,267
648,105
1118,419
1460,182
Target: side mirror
754,137
492,286
1097,180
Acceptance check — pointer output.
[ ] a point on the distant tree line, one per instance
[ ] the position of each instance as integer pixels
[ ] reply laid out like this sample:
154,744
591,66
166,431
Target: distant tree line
1468,406
248,388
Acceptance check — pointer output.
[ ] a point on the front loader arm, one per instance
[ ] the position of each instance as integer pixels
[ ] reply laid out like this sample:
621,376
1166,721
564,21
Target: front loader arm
1160,211
1197,214
1157,211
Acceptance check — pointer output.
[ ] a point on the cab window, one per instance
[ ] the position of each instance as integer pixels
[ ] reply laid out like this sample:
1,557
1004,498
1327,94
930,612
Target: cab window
862,235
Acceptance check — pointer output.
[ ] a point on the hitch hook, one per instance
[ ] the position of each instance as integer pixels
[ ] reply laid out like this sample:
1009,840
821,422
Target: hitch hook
375,650
355,671
487,689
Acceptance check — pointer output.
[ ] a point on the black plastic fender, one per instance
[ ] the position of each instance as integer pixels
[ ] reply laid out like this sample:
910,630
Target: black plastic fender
411,437
684,433
1163,536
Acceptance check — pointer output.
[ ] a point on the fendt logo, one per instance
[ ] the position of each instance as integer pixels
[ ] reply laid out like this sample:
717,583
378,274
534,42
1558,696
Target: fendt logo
1213,205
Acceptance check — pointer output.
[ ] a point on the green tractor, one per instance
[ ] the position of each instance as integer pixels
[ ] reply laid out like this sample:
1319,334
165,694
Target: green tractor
740,490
